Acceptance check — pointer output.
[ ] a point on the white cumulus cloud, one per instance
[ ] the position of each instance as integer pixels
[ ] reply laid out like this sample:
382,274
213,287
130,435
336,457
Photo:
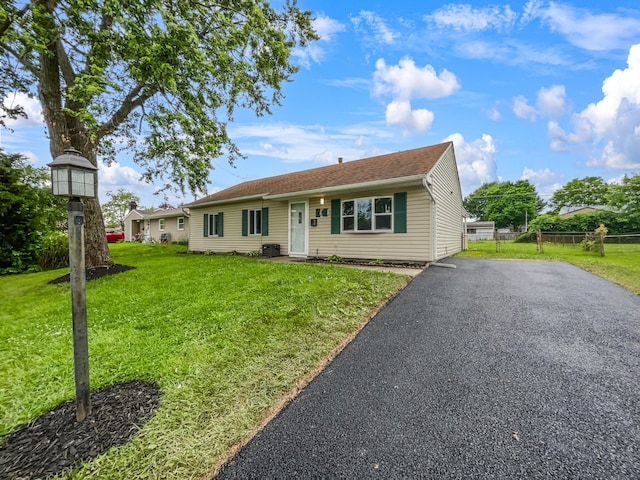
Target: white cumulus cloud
405,82
31,107
611,126
545,180
552,102
523,110
417,121
327,27
476,160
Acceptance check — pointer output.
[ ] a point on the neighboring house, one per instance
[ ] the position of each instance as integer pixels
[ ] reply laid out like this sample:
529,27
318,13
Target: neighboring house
399,206
480,230
157,225
568,212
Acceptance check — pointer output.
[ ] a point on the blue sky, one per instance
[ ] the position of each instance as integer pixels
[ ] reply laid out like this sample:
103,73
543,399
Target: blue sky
547,91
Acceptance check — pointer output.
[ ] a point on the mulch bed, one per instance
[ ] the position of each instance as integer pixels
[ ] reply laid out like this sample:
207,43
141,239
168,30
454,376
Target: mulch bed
93,273
55,441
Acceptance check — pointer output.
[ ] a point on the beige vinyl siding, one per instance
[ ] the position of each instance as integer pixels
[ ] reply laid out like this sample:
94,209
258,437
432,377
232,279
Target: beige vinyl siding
129,221
445,186
415,245
232,239
170,227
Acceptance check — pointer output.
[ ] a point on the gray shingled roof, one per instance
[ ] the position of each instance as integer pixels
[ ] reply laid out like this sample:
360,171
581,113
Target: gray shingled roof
383,167
161,212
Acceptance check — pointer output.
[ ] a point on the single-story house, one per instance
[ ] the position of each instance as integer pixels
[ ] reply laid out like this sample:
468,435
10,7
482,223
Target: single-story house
156,225
399,206
568,212
480,230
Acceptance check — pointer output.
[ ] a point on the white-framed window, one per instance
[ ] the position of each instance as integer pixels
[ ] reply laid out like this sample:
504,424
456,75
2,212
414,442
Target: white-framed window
161,224
255,222
372,214
180,223
213,225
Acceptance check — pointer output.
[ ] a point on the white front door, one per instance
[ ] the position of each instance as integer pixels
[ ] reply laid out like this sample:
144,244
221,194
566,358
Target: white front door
298,229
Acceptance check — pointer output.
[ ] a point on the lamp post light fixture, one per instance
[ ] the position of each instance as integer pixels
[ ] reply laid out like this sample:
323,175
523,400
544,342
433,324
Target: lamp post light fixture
74,176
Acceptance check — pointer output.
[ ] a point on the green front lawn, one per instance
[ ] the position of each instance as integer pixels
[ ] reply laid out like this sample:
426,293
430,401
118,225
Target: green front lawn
621,263
225,337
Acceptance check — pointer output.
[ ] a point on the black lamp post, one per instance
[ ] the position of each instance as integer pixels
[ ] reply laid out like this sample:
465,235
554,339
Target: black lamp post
74,176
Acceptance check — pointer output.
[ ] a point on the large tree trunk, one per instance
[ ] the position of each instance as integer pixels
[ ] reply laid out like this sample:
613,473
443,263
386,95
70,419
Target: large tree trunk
68,131
96,247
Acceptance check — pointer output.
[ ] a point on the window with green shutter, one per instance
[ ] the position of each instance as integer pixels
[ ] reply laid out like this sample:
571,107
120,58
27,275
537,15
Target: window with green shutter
254,221
205,223
213,225
370,214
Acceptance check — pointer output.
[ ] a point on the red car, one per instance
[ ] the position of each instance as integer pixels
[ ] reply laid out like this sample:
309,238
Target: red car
114,235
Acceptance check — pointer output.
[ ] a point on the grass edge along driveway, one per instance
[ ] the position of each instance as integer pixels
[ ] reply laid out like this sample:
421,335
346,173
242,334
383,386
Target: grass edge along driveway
225,337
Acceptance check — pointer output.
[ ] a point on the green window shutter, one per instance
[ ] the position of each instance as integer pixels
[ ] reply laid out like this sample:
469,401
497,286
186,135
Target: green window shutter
245,223
400,212
335,216
265,221
205,231
220,226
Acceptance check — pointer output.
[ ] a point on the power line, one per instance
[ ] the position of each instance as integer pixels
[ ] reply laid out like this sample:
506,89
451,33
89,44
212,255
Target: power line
511,195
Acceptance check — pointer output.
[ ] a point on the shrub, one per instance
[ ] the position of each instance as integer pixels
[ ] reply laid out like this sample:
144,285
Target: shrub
16,262
588,245
526,238
333,258
53,251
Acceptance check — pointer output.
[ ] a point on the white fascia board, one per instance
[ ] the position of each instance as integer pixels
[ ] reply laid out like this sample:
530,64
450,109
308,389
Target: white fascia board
391,182
259,196
133,213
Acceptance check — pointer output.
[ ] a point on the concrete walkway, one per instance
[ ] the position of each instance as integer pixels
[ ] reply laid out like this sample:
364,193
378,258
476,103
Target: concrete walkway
495,369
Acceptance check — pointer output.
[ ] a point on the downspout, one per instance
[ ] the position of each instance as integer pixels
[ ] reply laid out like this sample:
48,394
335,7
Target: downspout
426,181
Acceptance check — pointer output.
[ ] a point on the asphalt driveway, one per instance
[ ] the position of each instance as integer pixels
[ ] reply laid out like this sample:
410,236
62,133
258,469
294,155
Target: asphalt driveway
495,369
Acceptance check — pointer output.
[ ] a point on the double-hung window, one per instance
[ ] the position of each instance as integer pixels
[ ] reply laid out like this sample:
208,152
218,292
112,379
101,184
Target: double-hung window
213,224
255,222
373,214
161,224
180,223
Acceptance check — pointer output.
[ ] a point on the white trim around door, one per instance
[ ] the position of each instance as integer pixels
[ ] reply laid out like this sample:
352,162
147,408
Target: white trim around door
298,228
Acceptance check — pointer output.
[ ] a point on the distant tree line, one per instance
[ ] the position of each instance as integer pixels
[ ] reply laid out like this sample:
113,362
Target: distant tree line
517,204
